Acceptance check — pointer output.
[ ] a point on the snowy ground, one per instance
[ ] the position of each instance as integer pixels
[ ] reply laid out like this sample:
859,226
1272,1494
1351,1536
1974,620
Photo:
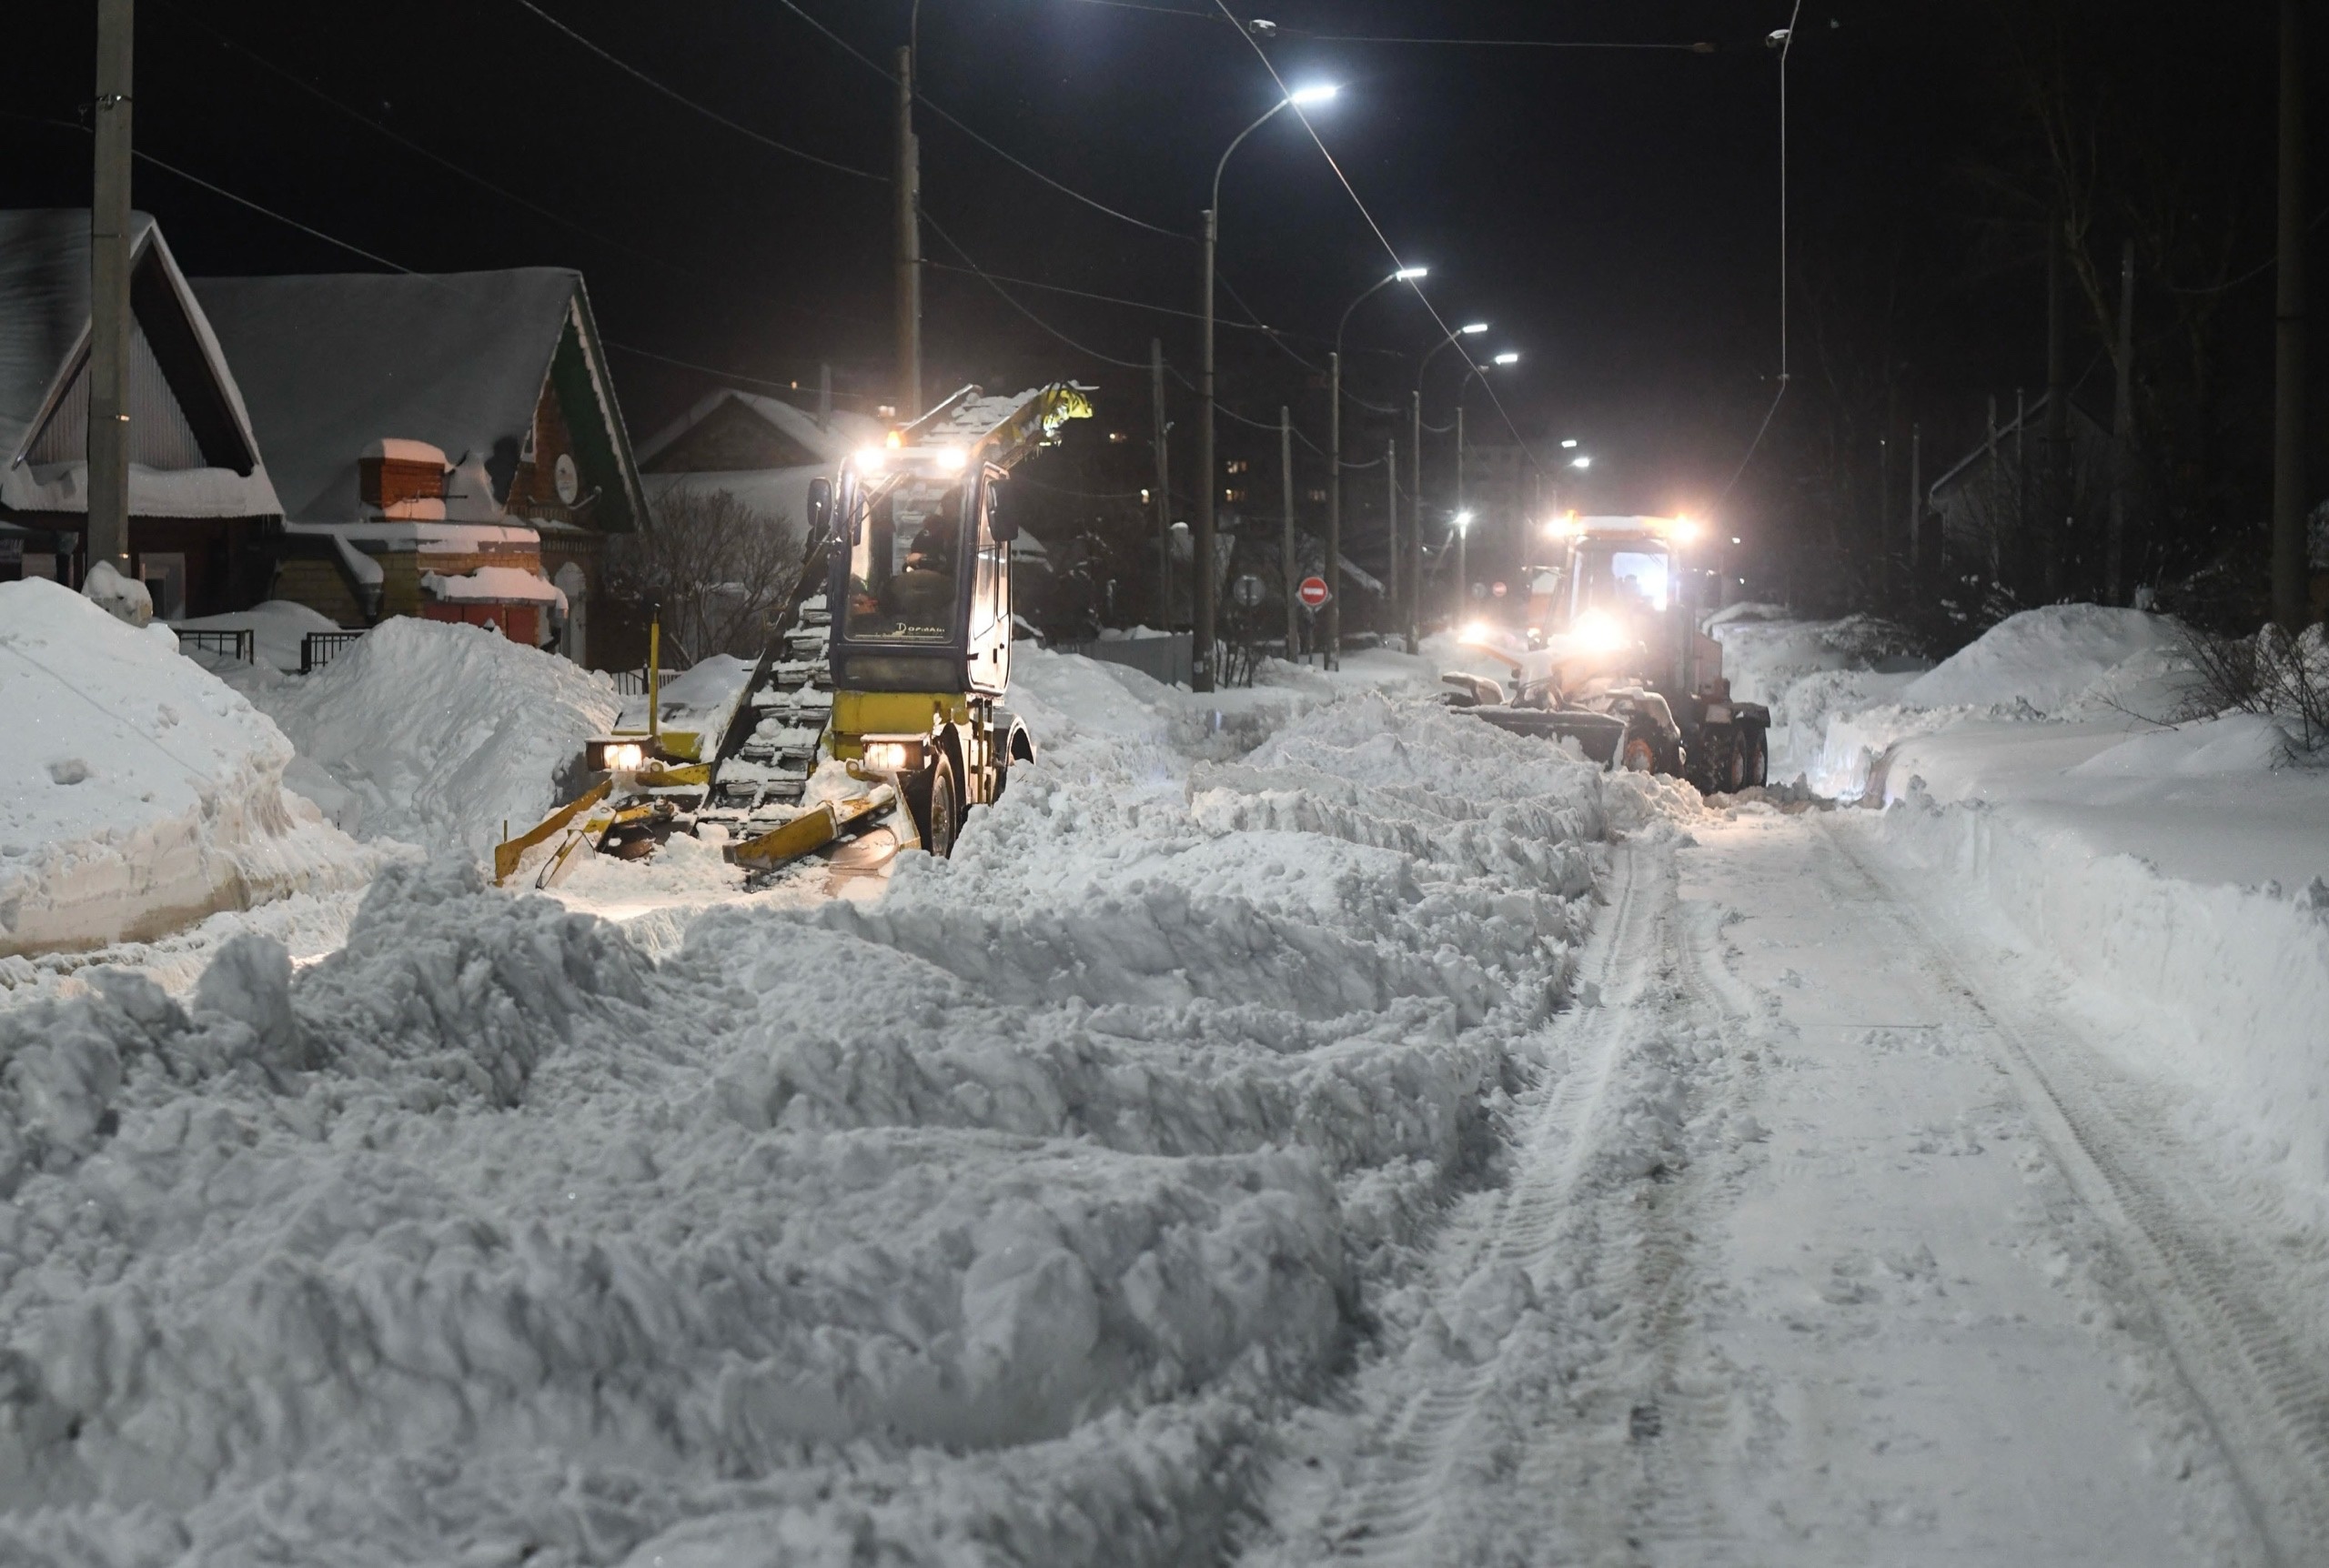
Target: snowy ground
1299,1124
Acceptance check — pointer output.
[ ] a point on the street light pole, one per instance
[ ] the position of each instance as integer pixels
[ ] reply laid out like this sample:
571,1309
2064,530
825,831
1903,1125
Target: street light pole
107,536
1333,634
1415,543
1201,672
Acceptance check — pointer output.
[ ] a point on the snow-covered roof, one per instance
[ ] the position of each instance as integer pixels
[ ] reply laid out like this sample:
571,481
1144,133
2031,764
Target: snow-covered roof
774,493
45,345
492,585
336,363
833,443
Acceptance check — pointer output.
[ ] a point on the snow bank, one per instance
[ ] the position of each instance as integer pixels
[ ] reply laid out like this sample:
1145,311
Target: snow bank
2222,988
436,734
2044,658
137,793
983,1224
278,627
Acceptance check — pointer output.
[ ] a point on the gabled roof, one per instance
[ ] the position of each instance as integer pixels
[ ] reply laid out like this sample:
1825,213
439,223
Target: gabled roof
831,443
2081,420
333,362
194,453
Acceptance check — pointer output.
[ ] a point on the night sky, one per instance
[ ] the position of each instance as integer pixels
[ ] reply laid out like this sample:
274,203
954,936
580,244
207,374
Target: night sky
1614,212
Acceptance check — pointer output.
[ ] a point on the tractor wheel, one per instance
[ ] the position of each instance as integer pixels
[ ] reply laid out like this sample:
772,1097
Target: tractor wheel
1730,769
936,801
1754,756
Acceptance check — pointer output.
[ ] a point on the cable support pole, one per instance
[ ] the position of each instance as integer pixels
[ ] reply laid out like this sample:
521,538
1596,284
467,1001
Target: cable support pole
1415,528
1162,432
107,524
909,193
1333,657
1285,566
1201,664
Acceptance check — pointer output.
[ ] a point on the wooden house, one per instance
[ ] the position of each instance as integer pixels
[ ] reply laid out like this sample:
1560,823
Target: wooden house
201,501
445,445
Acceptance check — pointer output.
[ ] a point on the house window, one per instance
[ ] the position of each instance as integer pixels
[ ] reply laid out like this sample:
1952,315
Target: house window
1318,494
1238,465
1233,495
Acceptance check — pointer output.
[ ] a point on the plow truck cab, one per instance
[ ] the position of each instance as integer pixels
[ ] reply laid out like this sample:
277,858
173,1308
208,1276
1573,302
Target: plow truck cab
882,681
1612,656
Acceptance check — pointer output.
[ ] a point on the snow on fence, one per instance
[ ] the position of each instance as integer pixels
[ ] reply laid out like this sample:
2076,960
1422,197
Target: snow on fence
633,682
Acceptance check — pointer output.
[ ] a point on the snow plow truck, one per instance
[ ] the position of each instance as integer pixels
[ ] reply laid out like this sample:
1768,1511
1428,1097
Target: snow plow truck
881,683
1612,656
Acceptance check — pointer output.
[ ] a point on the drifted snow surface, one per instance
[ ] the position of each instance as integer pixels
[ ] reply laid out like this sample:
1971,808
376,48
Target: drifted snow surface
990,1222
436,734
139,793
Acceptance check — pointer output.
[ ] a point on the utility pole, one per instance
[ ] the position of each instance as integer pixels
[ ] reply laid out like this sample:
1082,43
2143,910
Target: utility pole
1392,600
2123,432
2289,606
1208,477
1916,509
909,184
109,450
1997,555
1415,519
1334,650
1883,519
2053,525
1286,568
1159,432
1391,503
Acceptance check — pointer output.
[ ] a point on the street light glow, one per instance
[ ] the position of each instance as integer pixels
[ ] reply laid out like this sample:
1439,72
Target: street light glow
1569,445
1472,329
1510,357
1317,92
1463,522
1580,461
1410,274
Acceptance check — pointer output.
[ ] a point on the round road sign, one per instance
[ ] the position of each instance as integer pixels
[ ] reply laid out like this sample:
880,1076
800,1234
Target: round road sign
1312,591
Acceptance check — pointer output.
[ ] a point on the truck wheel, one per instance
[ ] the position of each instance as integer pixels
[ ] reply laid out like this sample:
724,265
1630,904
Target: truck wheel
936,801
1729,768
1754,756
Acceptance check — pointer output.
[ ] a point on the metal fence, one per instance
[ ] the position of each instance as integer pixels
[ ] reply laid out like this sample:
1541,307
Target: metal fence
241,643
633,682
318,649
1167,659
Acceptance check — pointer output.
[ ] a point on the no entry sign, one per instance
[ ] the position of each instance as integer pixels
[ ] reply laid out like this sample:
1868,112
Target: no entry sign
1312,591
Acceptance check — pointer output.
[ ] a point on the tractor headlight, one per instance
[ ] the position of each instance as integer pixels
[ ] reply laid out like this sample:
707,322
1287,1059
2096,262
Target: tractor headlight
617,756
893,756
1598,632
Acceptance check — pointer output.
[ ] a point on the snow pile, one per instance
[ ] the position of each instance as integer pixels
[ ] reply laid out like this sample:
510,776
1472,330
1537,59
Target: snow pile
2044,658
137,793
1806,671
436,734
278,626
983,1224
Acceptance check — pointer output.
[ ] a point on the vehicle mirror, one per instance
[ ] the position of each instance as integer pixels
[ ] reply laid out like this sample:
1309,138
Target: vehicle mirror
821,506
1002,516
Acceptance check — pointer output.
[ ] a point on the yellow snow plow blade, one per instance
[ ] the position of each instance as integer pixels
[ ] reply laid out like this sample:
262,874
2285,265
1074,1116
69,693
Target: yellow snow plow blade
507,856
810,832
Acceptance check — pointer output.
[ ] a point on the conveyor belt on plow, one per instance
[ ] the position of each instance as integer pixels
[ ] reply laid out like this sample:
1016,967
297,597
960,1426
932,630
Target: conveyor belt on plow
778,735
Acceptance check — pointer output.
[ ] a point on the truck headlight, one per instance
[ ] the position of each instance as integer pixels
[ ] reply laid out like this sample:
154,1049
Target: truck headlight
893,756
1600,633
617,756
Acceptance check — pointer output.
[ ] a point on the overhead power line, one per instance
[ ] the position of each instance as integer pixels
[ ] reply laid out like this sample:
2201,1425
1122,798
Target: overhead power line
1382,238
677,97
678,268
987,278
1280,30
880,70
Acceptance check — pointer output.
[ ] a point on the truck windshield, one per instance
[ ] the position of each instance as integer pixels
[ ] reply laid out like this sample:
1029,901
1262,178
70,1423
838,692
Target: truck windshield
1612,577
906,551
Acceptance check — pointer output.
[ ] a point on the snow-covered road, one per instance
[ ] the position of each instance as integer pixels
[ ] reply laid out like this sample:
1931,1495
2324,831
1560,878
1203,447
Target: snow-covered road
1828,1237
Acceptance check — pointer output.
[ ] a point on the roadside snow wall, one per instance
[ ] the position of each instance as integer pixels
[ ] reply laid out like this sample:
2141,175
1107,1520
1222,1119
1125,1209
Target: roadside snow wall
982,1225
435,734
137,792
2224,988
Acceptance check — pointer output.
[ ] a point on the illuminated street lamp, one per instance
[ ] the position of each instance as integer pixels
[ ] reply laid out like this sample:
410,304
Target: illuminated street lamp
1201,671
1334,639
1463,568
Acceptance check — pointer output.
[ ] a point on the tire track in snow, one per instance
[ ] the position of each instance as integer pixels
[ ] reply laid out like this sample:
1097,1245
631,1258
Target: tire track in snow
1438,1431
2209,1291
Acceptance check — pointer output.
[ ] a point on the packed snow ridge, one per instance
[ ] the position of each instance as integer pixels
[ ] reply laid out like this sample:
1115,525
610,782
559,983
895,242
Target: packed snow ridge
137,792
987,1223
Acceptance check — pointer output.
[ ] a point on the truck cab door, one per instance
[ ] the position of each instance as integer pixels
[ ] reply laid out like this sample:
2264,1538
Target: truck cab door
989,647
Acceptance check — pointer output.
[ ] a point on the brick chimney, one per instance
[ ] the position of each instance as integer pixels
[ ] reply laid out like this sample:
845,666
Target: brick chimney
403,478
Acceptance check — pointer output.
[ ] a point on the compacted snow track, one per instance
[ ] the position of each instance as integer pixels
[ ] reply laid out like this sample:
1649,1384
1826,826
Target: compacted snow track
1812,1248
